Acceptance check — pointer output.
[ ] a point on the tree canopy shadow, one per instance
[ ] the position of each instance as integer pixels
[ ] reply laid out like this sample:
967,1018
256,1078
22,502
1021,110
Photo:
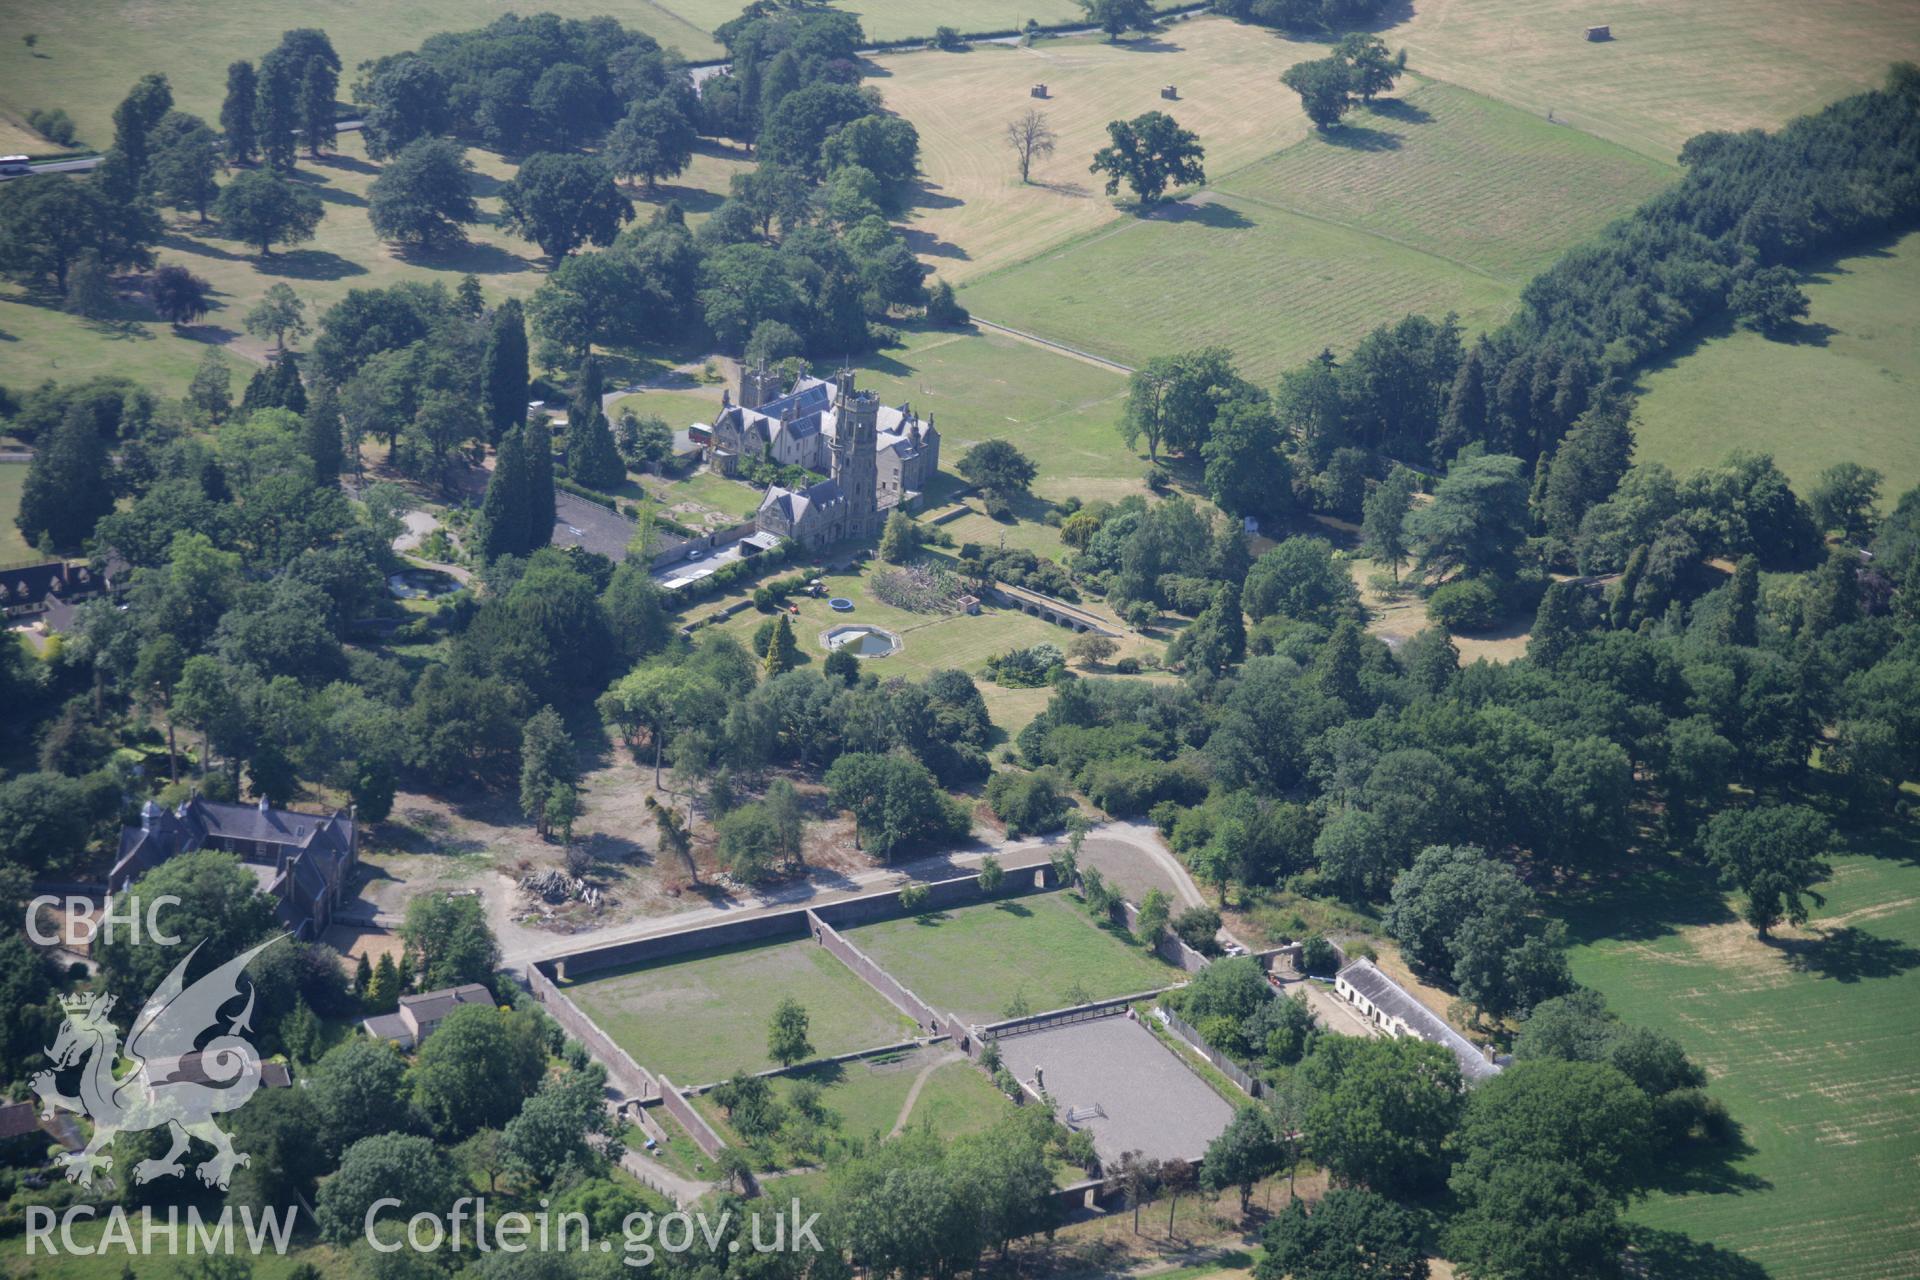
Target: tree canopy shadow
925,242
1641,899
1707,1166
1401,110
475,256
928,195
1020,909
188,244
1360,137
1208,213
351,164
310,264
1849,955
1669,1255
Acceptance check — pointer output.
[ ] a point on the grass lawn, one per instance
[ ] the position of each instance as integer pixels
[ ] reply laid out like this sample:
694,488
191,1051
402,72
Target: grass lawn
1810,1044
868,1096
158,1263
1843,392
1273,286
708,491
979,386
13,547
976,961
679,409
701,1018
1671,70
974,215
933,642
1459,176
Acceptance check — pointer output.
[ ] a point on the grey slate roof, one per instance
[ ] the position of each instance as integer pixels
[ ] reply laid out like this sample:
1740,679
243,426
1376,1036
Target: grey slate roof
1397,1002
431,1006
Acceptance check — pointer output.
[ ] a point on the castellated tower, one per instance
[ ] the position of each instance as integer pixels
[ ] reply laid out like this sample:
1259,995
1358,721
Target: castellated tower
855,464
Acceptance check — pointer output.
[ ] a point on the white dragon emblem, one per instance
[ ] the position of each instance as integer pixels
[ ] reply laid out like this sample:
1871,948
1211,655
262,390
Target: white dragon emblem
167,1030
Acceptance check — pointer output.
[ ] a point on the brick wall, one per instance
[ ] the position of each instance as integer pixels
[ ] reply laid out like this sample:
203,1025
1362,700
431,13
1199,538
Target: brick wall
873,975
690,1119
622,1071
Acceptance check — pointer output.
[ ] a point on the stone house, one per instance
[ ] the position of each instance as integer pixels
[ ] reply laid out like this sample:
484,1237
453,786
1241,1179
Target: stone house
419,1016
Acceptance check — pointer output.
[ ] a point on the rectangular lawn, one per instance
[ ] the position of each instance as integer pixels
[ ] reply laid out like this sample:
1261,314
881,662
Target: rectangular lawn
977,961
704,1017
870,1097
13,547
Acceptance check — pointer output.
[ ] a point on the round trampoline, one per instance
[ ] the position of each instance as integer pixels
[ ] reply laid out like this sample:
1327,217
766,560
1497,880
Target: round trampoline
840,604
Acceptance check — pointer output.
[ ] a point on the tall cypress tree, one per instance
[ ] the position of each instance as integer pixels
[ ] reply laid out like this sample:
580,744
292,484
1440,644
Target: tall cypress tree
237,114
318,84
542,511
323,435
66,490
278,112
592,459
505,377
288,392
507,513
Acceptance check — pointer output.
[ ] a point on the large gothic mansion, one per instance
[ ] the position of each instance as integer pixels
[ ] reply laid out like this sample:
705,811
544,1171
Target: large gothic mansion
875,457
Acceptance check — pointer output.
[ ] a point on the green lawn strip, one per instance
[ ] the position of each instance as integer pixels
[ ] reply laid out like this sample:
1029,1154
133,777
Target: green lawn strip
1808,1044
701,1018
975,961
1841,390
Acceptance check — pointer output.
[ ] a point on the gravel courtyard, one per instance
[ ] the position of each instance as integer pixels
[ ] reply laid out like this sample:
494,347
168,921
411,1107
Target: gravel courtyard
1153,1103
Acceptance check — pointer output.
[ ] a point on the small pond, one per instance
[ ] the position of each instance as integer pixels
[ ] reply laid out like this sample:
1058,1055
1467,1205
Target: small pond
864,641
420,584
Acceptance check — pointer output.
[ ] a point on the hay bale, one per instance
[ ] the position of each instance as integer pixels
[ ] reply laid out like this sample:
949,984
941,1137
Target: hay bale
1597,34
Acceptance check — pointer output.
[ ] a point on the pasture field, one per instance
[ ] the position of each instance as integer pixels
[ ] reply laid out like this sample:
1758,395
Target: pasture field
1044,949
13,547
972,214
869,1096
703,1017
1809,1042
43,341
1459,176
1275,287
1842,392
1671,70
978,385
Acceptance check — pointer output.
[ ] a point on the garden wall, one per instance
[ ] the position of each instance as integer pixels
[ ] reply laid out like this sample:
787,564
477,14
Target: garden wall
622,1071
874,976
1227,1066
690,1119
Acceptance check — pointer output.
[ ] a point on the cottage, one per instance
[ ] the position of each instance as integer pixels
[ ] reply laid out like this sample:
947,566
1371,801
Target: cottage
306,859
48,591
419,1016
1393,1009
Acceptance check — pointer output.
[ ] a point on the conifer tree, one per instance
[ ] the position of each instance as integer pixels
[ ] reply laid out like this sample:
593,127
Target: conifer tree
66,490
505,374
782,650
542,511
507,512
318,84
323,435
240,135
592,459
277,108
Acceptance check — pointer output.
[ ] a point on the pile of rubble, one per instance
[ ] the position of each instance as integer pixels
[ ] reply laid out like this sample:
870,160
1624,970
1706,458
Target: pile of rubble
556,886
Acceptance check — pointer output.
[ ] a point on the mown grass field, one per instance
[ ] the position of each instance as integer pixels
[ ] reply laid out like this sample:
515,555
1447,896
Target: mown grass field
13,477
701,1018
867,1097
1044,949
978,385
1810,1044
1671,70
1457,175
1440,201
1843,391
1274,287
973,215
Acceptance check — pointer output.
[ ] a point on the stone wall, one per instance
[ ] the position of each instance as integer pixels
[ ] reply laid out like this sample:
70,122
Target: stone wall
690,1119
873,975
622,1071
1170,948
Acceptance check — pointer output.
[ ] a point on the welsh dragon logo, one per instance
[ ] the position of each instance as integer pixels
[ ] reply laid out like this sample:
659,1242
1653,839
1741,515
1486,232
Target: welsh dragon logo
152,1094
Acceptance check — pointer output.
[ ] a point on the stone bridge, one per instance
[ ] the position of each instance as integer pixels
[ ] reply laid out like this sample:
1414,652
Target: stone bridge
1058,612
